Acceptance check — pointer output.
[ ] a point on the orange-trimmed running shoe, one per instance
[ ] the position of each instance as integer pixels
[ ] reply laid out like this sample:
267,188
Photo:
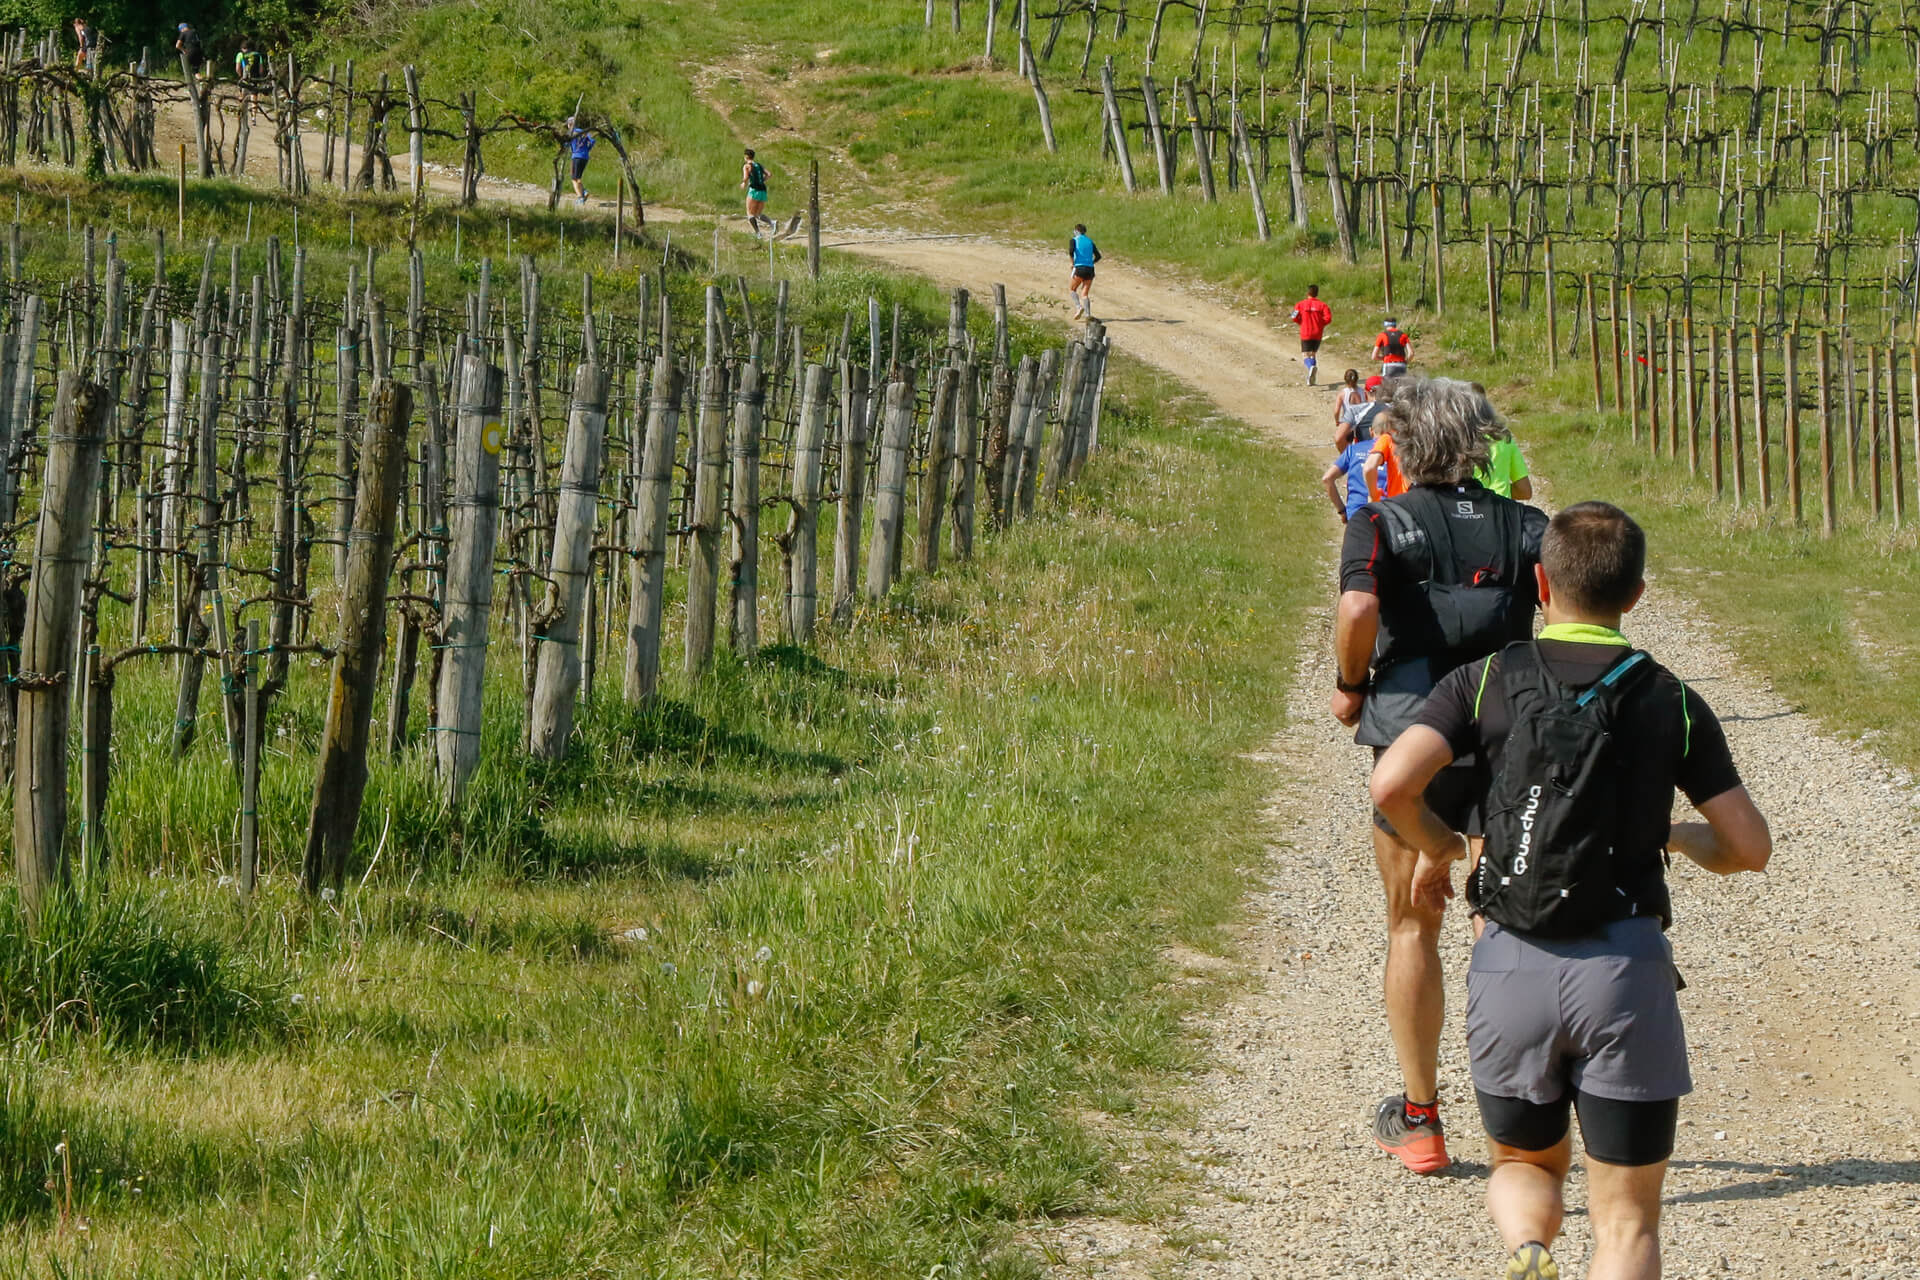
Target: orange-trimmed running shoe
1421,1147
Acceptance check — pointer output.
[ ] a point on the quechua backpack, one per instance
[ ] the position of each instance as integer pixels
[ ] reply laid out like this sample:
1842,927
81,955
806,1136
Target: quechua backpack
1553,864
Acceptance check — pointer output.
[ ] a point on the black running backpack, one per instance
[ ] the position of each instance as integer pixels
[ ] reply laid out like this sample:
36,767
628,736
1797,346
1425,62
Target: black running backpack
757,178
1396,344
1471,617
1554,865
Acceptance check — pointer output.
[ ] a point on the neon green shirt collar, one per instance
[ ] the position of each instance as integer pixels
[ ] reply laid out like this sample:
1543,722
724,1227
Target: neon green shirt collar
1583,633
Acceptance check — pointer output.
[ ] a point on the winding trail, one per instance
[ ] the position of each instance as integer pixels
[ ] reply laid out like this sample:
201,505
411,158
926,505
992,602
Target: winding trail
1799,1152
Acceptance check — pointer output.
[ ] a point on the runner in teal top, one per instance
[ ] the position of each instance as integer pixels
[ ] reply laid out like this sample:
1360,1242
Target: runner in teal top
1084,253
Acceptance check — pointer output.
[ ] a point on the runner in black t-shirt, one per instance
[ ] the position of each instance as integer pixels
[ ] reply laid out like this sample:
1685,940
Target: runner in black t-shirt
1392,644
1587,1022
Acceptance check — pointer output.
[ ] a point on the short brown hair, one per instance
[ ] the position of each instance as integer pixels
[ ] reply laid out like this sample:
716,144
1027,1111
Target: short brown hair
1595,556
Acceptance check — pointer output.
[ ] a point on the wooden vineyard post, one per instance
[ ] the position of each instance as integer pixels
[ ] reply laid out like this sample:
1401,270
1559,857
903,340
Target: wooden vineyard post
647,558
1439,244
1653,390
1714,418
1895,478
1039,95
1826,435
1913,411
749,408
45,696
340,781
1876,496
709,513
1735,431
1593,343
1037,428
249,869
1633,367
1790,371
813,219
1493,297
1613,320
890,486
853,489
1672,351
556,681
1553,310
966,459
1337,189
803,535
1386,247
933,476
473,522
1086,404
1157,134
1117,126
1693,394
1071,391
1202,151
1017,416
1850,411
1260,225
1761,435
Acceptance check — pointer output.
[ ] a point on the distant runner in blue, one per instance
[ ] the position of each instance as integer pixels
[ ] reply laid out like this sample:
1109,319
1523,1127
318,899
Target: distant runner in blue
1084,253
579,146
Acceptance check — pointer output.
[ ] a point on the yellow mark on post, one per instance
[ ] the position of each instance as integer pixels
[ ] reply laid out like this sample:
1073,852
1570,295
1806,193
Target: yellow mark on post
491,436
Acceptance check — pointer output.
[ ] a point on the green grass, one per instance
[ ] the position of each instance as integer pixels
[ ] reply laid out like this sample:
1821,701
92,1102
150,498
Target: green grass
828,964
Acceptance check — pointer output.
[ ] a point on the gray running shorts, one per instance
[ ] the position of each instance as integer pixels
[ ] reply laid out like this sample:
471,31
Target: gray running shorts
1599,1015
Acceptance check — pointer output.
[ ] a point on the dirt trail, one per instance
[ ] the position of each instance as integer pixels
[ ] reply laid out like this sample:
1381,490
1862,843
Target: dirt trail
1799,1152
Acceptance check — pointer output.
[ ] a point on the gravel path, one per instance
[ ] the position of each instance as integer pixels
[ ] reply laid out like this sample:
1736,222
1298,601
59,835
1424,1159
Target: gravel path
1799,1155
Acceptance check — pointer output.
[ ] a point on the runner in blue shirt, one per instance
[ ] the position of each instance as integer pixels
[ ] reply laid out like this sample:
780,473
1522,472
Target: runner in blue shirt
1352,464
1084,254
579,146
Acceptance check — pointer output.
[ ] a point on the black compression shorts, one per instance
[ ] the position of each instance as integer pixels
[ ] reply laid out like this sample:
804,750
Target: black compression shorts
1081,273
1309,345
1615,1132
579,167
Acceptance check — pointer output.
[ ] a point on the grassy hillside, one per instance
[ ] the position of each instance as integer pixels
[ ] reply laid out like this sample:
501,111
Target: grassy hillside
836,962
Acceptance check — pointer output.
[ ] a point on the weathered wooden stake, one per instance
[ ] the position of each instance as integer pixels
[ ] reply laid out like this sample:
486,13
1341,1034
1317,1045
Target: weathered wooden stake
853,489
60,559
647,565
556,682
340,781
473,523
803,533
890,485
749,408
707,518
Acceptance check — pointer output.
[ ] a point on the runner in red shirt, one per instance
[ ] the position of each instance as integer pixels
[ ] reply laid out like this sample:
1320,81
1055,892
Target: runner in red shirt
1391,349
1313,317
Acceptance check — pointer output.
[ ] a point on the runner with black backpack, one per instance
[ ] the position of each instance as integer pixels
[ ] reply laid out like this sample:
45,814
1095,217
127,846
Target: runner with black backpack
753,177
1571,997
1431,580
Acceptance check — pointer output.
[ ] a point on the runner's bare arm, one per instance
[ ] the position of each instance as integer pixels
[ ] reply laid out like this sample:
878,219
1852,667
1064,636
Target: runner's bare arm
1331,483
1733,838
1399,791
1355,625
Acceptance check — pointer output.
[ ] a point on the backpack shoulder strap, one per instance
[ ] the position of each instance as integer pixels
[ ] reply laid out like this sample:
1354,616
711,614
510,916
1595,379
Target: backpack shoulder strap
1620,680
1407,539
1525,683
